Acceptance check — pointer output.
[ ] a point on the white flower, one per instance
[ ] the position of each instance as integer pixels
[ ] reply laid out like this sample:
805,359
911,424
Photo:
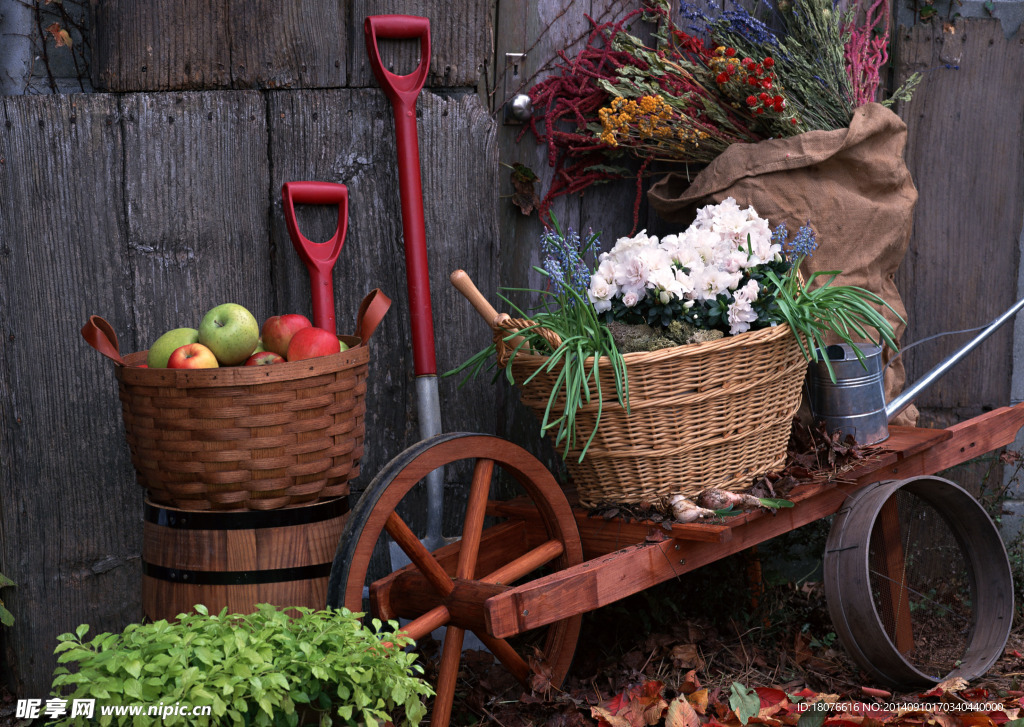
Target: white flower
741,315
706,216
601,292
736,260
630,299
685,283
748,292
606,269
629,243
712,281
632,271
664,281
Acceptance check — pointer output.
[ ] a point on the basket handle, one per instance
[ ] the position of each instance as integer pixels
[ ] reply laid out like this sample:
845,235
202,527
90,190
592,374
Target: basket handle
100,335
371,312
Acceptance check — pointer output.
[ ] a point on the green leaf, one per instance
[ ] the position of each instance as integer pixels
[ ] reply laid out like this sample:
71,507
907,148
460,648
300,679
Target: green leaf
775,503
744,702
812,718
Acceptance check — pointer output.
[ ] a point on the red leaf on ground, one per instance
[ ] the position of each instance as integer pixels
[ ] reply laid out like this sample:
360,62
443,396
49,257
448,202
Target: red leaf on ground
639,706
770,696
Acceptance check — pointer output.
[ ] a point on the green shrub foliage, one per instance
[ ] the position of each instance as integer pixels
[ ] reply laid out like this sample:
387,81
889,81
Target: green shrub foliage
267,668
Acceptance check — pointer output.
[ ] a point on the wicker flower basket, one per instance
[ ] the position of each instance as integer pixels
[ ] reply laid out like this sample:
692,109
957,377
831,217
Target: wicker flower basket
245,437
714,414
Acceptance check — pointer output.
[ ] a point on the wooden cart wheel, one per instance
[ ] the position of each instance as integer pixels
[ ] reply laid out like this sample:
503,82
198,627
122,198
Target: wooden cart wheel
448,587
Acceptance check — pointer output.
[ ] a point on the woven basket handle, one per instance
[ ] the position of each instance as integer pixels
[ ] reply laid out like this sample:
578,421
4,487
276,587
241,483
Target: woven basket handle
371,312
100,335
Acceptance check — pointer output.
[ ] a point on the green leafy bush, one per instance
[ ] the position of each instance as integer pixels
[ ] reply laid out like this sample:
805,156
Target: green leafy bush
6,617
266,668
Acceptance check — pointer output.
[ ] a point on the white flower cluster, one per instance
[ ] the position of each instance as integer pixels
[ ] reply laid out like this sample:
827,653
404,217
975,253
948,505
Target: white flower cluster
709,258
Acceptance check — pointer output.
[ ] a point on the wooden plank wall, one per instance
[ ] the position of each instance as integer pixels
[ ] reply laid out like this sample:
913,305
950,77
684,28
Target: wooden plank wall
965,150
150,207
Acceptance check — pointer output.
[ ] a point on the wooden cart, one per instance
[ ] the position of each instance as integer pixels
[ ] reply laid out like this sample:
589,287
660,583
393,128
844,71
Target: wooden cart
546,562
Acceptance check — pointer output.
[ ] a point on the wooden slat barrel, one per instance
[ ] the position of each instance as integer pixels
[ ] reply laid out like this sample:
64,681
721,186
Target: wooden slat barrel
238,559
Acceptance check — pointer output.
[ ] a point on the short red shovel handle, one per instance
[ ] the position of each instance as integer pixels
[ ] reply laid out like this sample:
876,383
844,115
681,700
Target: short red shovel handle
319,257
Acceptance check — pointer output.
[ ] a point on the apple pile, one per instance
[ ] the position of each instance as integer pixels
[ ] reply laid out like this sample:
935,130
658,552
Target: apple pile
229,335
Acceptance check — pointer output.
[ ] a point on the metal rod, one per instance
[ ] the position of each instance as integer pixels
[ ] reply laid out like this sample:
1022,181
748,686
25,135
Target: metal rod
904,400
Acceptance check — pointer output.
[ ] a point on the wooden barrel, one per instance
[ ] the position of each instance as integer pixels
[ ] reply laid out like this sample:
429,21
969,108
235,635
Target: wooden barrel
238,559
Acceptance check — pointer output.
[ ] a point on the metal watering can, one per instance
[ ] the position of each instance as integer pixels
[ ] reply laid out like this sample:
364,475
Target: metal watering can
855,403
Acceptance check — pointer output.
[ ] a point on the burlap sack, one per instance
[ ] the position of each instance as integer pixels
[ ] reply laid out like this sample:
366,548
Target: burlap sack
851,184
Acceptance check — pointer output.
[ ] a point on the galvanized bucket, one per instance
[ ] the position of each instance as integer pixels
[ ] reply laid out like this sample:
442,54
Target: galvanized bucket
855,403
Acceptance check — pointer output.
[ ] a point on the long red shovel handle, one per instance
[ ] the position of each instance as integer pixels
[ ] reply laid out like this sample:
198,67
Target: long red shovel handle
402,92
319,257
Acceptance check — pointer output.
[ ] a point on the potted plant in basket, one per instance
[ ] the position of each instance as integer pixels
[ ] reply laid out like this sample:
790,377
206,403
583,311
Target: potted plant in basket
271,667
676,364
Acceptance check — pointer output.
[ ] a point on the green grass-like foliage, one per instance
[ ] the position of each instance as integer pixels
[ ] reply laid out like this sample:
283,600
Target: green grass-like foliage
818,308
263,668
586,342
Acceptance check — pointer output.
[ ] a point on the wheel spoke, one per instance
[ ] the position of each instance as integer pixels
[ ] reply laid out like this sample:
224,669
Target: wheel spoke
508,656
447,675
526,563
423,625
418,554
473,527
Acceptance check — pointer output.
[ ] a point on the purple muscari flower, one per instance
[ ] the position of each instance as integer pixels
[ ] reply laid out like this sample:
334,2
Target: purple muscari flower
564,262
779,234
803,243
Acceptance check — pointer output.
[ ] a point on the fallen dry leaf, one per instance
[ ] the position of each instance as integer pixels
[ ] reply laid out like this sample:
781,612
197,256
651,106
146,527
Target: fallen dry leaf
699,700
955,684
681,713
686,656
524,195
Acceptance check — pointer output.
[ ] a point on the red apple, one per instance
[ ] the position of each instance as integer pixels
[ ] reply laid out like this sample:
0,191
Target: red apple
192,356
263,358
278,331
312,342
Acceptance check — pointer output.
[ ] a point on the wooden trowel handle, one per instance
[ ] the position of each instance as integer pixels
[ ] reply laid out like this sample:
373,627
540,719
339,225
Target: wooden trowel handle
464,284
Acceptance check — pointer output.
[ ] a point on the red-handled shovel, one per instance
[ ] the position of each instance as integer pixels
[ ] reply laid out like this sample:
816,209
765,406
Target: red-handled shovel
319,257
402,91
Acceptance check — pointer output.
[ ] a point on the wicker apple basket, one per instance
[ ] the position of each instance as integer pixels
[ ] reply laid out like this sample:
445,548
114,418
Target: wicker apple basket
715,414
245,437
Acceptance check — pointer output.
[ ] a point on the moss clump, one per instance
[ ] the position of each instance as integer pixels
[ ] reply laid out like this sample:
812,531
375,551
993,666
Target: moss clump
683,333
633,337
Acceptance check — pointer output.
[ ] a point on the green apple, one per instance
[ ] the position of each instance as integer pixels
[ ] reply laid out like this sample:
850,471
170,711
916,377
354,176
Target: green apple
231,332
162,348
344,346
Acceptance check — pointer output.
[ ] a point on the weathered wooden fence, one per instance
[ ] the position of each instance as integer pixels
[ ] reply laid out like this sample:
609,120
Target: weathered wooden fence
159,198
